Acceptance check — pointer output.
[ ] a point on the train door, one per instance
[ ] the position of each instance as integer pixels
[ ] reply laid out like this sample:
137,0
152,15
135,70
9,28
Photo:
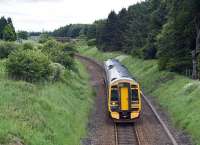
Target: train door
124,95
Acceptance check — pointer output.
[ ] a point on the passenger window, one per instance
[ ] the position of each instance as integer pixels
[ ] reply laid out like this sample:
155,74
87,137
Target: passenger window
134,95
114,95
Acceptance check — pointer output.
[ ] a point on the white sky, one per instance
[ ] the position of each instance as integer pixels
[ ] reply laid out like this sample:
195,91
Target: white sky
38,15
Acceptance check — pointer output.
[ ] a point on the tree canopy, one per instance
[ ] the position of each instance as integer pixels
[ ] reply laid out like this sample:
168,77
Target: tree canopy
7,30
72,30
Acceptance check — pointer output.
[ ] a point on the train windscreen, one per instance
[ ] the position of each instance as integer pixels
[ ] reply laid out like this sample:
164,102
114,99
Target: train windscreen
134,94
114,95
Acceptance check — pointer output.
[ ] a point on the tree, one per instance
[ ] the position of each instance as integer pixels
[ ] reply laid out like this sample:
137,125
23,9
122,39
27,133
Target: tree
123,21
3,23
158,18
22,35
196,51
100,30
138,27
91,31
7,30
109,33
8,33
181,39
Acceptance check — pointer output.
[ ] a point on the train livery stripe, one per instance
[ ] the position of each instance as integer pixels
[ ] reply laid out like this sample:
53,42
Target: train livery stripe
124,98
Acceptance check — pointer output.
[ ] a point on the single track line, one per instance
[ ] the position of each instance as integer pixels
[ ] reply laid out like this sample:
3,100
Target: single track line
125,134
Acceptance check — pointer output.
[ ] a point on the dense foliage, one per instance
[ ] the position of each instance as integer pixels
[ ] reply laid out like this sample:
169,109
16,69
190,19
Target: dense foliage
166,30
59,53
22,35
6,48
7,30
29,65
50,61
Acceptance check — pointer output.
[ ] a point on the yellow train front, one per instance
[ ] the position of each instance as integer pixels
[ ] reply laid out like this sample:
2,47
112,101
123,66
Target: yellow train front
124,98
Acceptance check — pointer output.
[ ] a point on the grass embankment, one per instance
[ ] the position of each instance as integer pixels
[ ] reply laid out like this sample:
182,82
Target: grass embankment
44,114
176,94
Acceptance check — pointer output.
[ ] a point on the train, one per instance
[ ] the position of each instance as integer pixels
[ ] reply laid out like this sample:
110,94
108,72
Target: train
123,92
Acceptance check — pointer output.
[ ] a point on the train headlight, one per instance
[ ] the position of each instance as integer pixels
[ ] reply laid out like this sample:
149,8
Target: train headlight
115,115
114,106
113,103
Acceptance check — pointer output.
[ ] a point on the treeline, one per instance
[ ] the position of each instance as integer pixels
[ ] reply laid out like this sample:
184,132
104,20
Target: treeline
72,30
7,30
154,29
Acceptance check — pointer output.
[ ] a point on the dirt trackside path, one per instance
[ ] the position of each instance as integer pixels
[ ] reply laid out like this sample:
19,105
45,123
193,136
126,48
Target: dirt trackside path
101,128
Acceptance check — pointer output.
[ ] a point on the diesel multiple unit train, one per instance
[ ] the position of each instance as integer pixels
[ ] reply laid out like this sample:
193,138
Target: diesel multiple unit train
123,92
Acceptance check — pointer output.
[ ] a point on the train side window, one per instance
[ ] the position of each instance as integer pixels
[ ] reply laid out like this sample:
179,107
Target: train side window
134,95
114,95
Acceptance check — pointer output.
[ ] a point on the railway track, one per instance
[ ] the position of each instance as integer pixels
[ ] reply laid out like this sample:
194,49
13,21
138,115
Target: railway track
125,134
153,130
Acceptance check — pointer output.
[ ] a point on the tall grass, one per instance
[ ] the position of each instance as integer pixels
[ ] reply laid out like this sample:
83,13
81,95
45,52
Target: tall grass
178,95
44,114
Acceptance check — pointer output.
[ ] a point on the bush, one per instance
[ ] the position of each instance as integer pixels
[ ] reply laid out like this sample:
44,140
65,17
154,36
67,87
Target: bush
28,65
64,59
68,47
91,42
28,46
60,53
50,46
6,48
57,71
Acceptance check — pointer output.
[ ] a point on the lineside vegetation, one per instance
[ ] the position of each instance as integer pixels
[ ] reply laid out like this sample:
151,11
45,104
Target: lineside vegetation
44,99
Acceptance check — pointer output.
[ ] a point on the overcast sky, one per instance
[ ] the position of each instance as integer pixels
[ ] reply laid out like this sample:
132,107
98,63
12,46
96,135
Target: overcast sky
38,15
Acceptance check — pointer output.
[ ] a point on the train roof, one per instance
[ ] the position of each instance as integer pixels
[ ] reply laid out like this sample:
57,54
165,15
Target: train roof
116,71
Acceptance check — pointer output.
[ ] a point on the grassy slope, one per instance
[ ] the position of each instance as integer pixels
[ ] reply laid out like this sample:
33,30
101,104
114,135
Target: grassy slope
51,114
177,94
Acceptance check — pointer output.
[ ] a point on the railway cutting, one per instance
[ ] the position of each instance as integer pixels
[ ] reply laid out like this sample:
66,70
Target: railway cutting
148,130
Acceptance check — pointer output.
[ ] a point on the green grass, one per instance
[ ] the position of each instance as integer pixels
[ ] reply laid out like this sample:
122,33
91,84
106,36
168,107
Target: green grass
48,114
178,95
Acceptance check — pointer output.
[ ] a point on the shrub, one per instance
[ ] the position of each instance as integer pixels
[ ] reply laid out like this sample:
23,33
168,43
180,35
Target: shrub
57,71
6,48
64,59
91,42
27,46
50,47
60,53
28,65
68,47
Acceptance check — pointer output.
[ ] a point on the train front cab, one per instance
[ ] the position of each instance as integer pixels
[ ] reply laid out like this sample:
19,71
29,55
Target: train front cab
124,101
